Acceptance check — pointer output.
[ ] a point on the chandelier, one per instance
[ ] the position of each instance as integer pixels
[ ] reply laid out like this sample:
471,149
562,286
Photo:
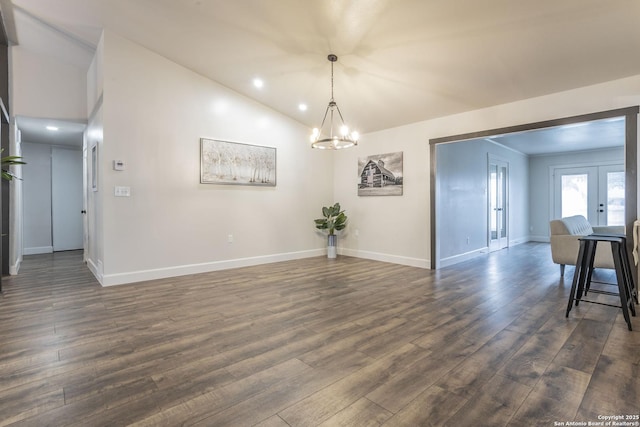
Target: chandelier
334,138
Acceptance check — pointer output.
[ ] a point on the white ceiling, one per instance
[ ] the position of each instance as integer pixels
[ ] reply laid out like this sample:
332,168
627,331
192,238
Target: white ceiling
48,131
400,61
582,136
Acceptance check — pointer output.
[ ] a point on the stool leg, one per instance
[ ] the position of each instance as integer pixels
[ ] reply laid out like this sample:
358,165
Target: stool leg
591,247
627,268
630,293
586,269
622,285
576,277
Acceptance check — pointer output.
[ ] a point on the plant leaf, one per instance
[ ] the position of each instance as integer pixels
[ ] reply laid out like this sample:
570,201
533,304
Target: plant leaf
334,219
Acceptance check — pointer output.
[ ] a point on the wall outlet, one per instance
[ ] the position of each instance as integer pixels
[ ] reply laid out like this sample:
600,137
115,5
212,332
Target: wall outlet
230,238
468,240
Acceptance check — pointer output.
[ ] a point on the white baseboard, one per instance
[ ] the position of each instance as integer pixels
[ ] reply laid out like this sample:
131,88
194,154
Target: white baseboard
38,250
15,268
540,239
395,259
519,241
446,262
96,269
182,270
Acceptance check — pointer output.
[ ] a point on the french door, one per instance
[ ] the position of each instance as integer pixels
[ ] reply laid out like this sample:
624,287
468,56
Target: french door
595,192
498,204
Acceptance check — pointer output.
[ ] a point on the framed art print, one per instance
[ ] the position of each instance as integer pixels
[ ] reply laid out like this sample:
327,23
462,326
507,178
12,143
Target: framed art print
233,163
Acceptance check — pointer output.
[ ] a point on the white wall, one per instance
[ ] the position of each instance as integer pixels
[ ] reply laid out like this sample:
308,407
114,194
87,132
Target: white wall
397,229
519,201
94,251
94,137
390,228
16,202
45,87
540,185
36,186
462,185
154,113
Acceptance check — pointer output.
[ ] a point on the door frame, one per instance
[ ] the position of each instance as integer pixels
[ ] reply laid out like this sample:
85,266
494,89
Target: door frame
630,163
493,159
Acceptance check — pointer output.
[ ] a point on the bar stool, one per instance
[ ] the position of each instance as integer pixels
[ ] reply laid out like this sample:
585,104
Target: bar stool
626,265
627,290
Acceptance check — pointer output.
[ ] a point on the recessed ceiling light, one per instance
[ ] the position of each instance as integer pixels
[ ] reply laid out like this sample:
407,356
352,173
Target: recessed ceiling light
258,83
302,107
52,128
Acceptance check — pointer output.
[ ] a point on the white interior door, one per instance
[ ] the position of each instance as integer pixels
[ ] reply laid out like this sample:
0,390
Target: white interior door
498,204
66,199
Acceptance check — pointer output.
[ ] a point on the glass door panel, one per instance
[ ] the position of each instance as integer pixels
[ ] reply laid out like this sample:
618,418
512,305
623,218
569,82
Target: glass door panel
493,201
498,204
595,192
574,194
611,195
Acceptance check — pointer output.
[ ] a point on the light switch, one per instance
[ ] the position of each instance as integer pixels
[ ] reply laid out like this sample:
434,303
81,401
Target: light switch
122,191
118,165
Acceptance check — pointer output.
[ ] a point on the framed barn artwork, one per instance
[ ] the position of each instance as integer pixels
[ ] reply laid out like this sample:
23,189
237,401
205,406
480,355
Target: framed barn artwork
380,175
234,163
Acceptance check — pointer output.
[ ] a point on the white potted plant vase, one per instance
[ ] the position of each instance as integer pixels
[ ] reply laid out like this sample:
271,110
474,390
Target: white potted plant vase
332,244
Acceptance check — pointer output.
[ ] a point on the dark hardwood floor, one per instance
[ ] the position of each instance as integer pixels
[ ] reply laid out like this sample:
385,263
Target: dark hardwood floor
346,342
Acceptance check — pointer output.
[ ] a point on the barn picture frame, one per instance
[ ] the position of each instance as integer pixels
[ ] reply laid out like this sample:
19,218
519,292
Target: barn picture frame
381,175
235,163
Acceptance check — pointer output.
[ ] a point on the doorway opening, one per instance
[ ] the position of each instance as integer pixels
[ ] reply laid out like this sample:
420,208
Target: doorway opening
52,183
625,117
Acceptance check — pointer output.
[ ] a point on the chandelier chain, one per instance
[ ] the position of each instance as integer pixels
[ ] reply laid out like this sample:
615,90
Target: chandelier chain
332,80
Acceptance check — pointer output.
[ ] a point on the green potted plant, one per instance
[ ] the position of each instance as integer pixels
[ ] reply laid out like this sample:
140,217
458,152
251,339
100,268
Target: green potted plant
333,220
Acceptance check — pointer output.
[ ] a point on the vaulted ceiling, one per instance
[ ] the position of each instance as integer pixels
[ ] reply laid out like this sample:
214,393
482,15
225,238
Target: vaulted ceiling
400,61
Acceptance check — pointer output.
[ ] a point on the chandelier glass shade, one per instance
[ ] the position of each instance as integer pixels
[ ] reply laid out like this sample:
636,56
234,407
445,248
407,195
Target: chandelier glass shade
337,135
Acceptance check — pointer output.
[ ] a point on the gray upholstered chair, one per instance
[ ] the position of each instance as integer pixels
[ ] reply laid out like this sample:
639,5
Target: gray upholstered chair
565,233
